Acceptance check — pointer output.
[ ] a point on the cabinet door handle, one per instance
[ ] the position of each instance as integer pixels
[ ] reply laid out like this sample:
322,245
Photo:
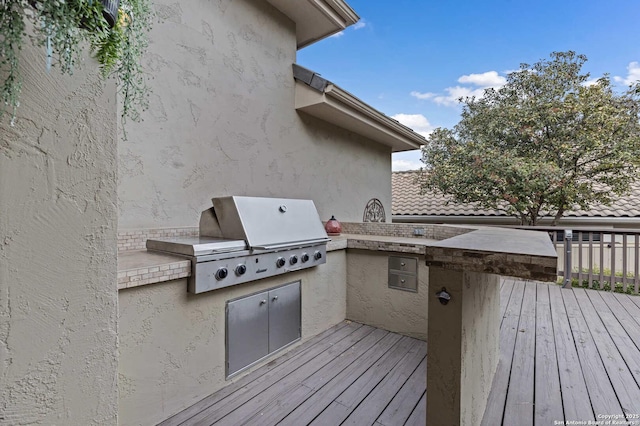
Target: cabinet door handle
275,297
262,302
402,264
402,281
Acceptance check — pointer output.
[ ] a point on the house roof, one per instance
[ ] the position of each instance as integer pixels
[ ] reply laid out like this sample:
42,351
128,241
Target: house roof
316,19
407,201
320,98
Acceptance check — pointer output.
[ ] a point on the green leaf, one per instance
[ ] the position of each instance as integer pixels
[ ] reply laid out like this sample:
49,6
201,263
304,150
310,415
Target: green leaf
542,144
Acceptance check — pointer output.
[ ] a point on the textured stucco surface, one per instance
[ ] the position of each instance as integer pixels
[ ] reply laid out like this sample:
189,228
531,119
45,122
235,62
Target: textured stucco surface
172,344
58,223
480,342
222,122
371,301
463,346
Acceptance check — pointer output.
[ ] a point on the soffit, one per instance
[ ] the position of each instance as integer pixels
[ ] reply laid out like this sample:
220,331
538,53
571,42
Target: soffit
342,109
316,19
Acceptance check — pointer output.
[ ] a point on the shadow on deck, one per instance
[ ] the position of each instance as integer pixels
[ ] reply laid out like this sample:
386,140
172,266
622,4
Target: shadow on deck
564,355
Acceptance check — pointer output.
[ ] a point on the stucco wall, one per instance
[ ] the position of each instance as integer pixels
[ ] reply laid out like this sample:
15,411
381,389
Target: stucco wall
463,346
480,342
371,301
58,297
172,344
222,122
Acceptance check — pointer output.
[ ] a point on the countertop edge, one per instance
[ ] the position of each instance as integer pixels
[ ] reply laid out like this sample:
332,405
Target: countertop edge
483,252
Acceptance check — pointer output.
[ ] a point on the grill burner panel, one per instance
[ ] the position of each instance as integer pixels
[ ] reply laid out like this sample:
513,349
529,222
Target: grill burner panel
248,238
256,266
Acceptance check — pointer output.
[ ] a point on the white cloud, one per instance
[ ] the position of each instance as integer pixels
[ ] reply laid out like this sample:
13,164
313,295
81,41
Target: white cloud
427,95
474,86
402,165
452,98
486,79
417,122
590,82
633,74
360,24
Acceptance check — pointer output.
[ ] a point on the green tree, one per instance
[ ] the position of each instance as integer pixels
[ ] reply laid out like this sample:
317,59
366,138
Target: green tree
548,141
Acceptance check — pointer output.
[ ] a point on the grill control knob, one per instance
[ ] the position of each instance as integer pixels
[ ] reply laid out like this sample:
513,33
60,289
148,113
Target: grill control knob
304,257
280,262
317,255
293,259
241,269
221,274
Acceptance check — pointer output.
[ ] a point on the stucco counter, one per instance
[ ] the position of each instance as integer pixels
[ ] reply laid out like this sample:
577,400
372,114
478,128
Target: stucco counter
141,267
523,255
172,342
463,333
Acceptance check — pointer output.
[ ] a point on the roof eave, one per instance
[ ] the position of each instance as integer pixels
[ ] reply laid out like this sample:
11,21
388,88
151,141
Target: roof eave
316,19
326,101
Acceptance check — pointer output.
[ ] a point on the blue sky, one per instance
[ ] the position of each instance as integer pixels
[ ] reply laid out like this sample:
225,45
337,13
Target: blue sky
410,59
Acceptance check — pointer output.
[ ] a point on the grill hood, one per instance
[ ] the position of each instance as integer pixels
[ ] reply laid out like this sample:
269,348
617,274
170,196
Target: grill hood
264,223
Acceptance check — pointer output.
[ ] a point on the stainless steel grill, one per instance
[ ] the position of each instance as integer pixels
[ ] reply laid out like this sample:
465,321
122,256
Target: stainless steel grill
249,238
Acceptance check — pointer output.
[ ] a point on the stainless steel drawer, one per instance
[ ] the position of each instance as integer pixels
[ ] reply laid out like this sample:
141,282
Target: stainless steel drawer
406,282
403,264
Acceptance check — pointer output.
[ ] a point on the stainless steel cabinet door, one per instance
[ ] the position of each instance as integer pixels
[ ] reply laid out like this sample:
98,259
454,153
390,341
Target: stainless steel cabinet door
247,331
284,316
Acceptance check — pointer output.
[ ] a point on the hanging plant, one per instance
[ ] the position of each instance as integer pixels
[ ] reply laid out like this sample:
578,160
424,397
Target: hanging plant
116,32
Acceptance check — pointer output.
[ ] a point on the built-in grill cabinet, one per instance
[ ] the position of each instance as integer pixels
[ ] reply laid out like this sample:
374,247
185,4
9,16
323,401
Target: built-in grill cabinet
244,239
261,324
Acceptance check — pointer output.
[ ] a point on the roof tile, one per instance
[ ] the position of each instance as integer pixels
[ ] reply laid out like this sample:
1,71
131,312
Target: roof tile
407,200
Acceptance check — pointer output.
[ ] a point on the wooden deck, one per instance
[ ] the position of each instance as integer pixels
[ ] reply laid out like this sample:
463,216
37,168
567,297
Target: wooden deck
564,355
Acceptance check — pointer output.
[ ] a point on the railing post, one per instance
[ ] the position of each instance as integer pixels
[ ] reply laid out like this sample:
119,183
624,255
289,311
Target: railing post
568,242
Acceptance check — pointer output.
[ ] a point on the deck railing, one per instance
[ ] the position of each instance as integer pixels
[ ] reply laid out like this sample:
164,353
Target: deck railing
605,258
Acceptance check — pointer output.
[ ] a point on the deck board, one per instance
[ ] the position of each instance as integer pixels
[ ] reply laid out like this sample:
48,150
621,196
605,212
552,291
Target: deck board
374,404
274,412
494,411
419,415
352,396
351,346
617,368
575,396
362,387
565,355
506,288
627,302
519,402
601,392
628,323
403,404
243,395
324,339
314,405
334,414
547,378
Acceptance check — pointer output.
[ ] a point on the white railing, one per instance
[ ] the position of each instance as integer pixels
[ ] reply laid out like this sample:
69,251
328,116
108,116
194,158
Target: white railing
597,257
